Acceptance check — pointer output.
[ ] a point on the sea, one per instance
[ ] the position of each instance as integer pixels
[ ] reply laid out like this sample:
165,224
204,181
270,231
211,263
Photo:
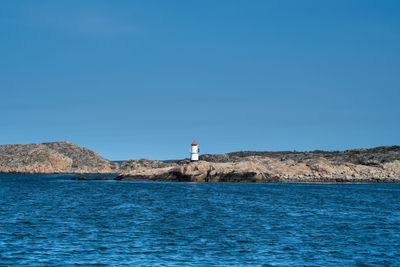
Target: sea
51,220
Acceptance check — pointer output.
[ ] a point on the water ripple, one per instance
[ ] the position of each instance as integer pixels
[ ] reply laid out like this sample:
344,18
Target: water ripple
51,220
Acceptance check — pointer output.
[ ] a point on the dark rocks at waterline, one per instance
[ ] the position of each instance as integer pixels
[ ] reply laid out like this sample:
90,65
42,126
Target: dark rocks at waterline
83,178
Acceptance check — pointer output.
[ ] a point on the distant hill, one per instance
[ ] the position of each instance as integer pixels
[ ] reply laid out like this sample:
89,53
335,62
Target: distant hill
55,157
363,156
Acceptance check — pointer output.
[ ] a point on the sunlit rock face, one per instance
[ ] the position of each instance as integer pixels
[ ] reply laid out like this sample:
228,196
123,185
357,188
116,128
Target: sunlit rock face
56,157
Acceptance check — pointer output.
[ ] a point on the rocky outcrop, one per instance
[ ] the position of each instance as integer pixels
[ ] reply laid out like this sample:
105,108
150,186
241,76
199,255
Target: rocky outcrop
201,171
362,165
56,157
324,170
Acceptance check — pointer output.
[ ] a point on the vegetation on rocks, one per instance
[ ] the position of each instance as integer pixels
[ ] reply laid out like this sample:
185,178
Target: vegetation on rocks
372,156
133,164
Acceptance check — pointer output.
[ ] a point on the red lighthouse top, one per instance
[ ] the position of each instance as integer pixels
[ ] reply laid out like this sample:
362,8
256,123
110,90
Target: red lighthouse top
194,143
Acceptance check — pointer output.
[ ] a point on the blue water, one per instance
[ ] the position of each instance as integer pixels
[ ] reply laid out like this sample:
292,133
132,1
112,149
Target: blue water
52,220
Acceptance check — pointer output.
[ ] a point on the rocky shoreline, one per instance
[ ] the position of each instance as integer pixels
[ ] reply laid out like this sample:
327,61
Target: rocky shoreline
267,170
380,164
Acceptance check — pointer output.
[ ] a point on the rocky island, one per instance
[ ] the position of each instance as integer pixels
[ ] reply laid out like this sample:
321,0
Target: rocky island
55,157
380,164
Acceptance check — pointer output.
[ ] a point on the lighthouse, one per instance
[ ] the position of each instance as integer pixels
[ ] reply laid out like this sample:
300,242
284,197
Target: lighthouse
194,152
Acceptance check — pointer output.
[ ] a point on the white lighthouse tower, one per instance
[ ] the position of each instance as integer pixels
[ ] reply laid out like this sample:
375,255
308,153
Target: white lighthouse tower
194,152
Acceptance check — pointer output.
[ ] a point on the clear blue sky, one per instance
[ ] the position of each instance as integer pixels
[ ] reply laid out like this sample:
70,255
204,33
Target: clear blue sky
133,79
